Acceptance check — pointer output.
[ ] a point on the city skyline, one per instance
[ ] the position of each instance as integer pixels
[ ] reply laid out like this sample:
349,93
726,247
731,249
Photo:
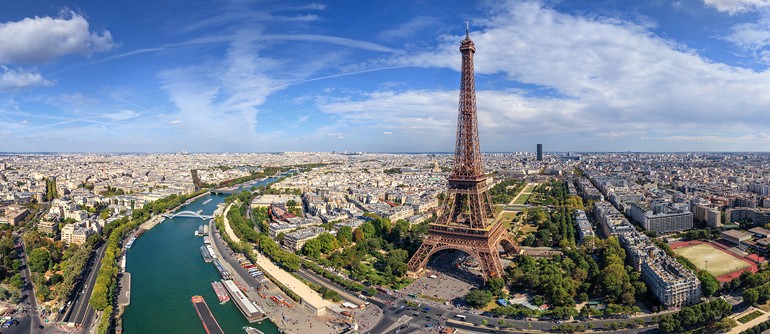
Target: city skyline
327,76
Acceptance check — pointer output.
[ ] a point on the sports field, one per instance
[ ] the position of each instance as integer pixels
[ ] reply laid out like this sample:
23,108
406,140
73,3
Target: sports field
716,261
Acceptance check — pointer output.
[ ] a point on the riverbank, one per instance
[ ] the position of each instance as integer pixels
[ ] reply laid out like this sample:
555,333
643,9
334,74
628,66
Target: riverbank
167,269
295,319
124,285
157,219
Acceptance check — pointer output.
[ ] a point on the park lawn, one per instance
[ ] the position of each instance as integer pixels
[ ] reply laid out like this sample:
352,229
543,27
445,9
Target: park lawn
506,217
528,229
523,198
749,317
715,261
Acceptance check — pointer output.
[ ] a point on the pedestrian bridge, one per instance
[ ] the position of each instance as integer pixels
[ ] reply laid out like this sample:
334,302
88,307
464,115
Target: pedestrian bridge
190,214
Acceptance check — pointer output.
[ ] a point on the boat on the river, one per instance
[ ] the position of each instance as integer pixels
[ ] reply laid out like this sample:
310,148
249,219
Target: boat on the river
130,242
252,330
200,231
219,289
207,256
210,324
207,201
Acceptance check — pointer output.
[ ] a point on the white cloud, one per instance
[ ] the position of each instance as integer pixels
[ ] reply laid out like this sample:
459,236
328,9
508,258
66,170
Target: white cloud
604,77
14,79
42,39
736,6
752,36
121,115
434,112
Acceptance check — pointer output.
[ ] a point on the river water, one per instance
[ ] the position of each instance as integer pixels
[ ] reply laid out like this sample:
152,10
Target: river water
167,270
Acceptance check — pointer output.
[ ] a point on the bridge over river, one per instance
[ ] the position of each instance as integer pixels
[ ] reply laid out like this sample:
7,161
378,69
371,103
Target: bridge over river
190,214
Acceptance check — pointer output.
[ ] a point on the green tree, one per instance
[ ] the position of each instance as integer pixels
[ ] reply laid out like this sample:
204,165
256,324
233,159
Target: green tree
397,259
400,231
613,279
332,295
724,325
16,281
709,283
39,260
495,285
358,235
478,298
99,297
327,242
367,229
345,235
750,296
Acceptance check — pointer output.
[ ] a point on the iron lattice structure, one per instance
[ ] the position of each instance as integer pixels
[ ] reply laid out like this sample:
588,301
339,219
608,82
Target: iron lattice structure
466,220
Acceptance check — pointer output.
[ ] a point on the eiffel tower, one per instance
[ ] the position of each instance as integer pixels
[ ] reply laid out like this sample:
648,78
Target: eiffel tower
467,219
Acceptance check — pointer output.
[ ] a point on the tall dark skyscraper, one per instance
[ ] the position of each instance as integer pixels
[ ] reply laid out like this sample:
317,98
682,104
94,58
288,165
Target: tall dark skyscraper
539,152
467,220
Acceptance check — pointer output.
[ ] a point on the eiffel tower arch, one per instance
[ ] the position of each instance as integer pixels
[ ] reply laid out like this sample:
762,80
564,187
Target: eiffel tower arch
467,220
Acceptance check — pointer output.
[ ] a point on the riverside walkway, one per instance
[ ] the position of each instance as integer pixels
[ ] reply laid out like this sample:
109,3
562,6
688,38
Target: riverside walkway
228,229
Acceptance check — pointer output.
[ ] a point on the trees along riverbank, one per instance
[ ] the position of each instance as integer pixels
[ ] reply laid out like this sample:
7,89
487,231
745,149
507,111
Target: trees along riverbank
104,290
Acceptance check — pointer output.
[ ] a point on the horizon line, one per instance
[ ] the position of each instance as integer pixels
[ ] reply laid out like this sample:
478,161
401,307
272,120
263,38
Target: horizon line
363,152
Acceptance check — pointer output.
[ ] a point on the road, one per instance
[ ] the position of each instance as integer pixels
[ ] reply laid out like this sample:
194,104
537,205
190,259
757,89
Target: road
400,317
322,281
80,312
411,319
32,319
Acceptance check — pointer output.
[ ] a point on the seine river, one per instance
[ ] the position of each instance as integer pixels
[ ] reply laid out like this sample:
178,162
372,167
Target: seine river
167,269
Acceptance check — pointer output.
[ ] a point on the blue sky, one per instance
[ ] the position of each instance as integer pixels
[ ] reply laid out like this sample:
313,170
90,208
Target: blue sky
251,76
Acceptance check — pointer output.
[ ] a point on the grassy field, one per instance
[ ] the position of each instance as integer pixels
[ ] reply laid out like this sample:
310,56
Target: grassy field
507,215
527,229
749,317
523,198
525,194
719,263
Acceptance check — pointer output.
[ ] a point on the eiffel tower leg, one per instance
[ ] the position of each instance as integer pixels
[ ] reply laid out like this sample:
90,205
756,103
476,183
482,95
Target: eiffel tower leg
417,263
490,263
510,247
